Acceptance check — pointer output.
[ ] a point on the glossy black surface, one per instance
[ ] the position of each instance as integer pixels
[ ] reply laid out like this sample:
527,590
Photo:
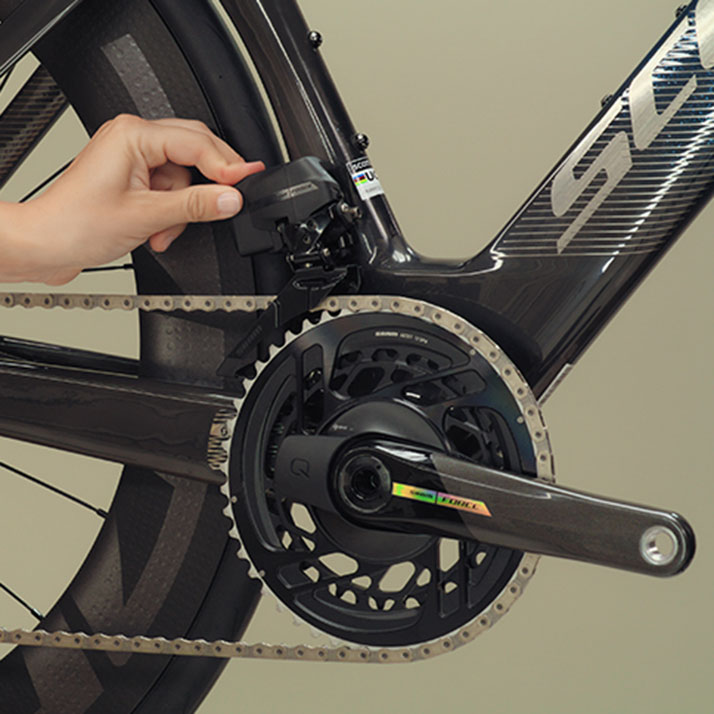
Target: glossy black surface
539,292
519,513
361,375
27,24
165,533
139,422
412,278
308,106
542,301
59,355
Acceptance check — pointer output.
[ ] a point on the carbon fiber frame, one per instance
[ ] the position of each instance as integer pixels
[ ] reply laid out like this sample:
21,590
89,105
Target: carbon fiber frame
579,246
592,230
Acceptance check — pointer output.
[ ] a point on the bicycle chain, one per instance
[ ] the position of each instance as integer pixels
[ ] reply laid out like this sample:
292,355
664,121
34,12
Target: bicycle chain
346,652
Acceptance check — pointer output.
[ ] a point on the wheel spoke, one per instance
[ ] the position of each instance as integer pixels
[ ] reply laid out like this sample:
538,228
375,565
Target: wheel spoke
33,610
39,482
105,268
48,180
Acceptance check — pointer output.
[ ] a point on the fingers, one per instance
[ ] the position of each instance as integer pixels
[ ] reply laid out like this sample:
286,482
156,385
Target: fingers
179,142
228,152
61,277
163,143
170,177
188,205
161,241
157,199
240,171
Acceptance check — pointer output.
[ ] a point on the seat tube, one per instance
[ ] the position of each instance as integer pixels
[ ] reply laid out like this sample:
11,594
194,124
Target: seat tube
311,113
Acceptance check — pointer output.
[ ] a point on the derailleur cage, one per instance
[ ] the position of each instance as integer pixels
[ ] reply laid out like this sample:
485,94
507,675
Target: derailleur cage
297,209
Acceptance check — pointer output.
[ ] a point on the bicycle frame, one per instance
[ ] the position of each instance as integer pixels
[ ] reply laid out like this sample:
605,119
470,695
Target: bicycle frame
579,246
596,225
29,23
414,276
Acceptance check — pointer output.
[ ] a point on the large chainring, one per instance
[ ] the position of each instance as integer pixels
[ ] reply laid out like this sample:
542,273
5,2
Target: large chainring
410,371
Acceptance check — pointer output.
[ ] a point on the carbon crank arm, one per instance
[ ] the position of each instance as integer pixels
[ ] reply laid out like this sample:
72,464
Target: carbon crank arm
392,486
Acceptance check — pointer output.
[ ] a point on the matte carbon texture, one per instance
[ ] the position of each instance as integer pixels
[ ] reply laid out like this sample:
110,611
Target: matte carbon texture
542,309
533,516
126,420
666,181
29,115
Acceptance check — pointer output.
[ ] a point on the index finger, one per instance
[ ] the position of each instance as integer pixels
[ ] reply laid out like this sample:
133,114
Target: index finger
195,125
160,144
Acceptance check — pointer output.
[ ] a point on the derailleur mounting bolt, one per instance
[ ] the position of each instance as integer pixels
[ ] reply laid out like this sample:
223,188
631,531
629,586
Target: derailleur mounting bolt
351,212
361,141
314,38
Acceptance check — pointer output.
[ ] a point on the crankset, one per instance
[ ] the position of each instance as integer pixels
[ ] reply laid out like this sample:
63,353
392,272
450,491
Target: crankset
387,472
391,467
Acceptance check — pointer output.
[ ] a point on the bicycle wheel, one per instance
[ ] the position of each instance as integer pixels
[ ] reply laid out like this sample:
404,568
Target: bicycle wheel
162,563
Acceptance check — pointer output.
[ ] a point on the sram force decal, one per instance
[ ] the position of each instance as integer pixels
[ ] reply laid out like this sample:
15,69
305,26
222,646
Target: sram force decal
446,500
615,160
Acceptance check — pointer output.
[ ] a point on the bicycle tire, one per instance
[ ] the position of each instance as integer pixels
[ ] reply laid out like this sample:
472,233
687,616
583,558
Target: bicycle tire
162,563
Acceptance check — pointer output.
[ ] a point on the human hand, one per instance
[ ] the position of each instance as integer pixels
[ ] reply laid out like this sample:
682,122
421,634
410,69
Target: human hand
129,184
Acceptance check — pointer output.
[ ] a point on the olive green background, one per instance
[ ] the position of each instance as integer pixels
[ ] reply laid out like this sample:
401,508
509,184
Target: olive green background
468,104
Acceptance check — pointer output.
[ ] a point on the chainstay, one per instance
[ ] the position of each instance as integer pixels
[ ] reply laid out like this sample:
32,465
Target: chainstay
227,649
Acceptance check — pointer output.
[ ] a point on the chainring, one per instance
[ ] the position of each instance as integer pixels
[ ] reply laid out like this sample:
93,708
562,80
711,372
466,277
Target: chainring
415,372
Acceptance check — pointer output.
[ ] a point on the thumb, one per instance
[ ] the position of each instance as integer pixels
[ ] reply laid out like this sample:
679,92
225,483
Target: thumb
195,204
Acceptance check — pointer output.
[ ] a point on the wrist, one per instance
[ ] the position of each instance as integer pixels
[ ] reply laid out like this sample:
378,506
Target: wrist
21,257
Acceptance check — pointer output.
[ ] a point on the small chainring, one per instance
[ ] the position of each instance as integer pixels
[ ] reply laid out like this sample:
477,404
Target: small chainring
377,373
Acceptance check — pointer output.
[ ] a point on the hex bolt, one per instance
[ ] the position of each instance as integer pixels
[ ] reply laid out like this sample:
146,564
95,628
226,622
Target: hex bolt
680,10
352,212
314,38
361,140
364,483
606,100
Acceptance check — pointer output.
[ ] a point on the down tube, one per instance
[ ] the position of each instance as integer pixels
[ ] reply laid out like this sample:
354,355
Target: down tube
597,225
581,244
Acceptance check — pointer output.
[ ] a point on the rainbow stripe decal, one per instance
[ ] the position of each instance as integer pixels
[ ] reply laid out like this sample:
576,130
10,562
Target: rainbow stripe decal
403,490
360,179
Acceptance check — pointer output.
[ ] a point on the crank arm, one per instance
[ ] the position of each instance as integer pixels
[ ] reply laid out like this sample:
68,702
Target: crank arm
398,487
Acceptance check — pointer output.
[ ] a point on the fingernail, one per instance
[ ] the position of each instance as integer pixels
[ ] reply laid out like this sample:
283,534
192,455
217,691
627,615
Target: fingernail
229,203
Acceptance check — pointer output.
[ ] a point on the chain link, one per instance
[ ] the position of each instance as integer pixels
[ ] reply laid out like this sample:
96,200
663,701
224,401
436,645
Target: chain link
147,303
478,342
